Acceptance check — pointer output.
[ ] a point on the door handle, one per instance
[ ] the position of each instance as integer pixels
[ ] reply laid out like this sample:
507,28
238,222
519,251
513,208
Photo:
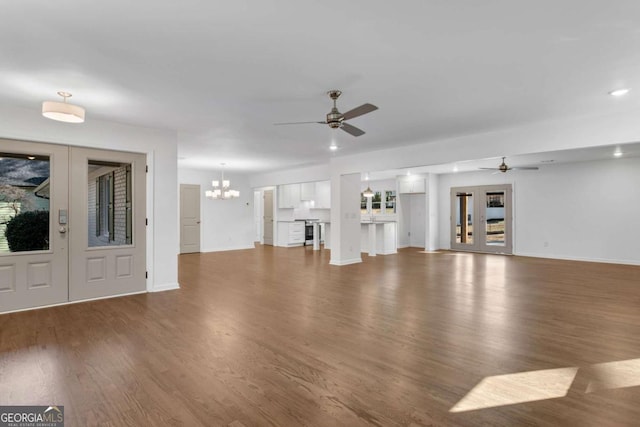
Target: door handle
197,222
62,229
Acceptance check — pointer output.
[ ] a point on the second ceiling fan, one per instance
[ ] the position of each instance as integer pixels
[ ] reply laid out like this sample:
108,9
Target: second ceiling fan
335,119
504,168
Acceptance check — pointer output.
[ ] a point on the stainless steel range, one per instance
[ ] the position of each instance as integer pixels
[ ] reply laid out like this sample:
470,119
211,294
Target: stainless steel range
308,231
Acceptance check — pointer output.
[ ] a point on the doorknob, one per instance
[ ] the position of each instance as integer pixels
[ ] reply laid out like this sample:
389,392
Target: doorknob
197,222
62,229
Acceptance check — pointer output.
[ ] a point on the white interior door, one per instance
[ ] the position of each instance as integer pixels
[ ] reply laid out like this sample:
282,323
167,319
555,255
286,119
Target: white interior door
107,223
268,217
189,218
418,220
34,207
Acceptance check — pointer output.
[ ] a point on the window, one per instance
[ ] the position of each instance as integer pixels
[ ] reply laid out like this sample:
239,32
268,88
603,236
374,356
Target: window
104,206
376,202
364,202
110,204
24,202
390,202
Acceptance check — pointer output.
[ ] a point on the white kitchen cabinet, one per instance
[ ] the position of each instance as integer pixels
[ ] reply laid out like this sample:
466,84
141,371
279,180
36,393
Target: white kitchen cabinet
308,191
323,195
289,196
291,233
412,186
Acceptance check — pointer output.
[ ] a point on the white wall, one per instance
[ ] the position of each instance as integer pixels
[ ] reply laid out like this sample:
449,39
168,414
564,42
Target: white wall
290,176
162,192
412,222
345,219
584,211
432,228
225,224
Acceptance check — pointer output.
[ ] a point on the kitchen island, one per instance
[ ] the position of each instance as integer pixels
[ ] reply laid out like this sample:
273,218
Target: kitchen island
383,234
378,237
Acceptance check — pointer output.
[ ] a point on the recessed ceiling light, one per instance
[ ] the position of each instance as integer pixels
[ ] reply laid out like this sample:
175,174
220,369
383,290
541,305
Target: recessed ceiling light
455,168
619,92
333,147
31,157
618,154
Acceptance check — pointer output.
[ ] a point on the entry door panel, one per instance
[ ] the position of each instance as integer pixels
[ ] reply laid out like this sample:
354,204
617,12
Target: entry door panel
107,225
33,190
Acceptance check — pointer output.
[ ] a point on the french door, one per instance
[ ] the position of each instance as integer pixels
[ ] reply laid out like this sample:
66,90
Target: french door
72,224
481,219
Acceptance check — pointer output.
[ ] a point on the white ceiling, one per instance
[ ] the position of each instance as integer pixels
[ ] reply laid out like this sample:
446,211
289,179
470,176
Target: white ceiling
539,160
221,73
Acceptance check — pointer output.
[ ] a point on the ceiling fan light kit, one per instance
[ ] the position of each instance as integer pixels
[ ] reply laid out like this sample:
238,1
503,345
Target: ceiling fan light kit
336,120
63,111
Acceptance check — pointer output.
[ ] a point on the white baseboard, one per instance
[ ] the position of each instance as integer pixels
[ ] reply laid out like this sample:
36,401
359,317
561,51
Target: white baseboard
165,287
346,262
583,259
230,248
73,302
388,253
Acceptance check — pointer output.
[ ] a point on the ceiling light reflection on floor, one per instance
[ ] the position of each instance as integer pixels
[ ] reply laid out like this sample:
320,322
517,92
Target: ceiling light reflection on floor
515,388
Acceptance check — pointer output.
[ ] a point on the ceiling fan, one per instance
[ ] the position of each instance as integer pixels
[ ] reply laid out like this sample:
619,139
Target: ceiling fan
504,168
336,119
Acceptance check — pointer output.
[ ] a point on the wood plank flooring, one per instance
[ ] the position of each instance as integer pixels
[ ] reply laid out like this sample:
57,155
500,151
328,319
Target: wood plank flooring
277,337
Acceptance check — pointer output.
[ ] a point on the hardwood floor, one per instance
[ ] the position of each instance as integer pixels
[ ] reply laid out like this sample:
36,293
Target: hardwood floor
278,337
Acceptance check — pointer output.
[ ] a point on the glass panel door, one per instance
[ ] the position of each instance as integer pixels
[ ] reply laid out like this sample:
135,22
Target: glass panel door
485,210
108,245
495,215
33,224
464,217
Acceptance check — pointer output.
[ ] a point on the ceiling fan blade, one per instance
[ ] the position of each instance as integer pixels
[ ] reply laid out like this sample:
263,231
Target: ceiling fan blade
359,111
297,123
351,129
525,168
490,169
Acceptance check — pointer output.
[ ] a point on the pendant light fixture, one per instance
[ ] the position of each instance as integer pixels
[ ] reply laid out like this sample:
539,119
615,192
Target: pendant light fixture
368,192
221,189
63,111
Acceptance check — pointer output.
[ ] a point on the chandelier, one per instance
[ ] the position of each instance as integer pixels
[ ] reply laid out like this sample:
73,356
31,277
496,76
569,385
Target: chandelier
221,189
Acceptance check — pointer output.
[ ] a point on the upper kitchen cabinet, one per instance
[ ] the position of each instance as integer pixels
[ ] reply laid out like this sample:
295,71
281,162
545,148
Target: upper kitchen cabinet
412,186
318,194
323,195
308,191
289,196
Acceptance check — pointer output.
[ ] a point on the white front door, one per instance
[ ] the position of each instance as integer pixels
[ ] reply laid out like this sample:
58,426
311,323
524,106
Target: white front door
189,218
107,223
33,231
72,224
